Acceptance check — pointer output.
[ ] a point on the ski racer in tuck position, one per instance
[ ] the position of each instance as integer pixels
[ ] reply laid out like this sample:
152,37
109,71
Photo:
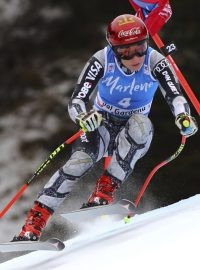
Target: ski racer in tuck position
127,73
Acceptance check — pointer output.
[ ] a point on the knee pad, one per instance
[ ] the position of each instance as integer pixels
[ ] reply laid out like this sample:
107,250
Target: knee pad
63,181
79,163
139,128
132,143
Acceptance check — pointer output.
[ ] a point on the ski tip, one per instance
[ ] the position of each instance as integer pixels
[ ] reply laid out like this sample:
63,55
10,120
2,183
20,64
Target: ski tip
57,243
130,206
52,244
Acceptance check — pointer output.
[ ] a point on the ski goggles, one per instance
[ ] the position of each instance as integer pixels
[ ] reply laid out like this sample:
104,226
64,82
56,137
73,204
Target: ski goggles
128,52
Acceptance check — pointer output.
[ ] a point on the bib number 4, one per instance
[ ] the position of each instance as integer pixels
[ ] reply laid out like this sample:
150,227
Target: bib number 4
125,102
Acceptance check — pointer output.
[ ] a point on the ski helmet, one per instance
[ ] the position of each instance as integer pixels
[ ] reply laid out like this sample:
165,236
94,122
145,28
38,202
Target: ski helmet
125,30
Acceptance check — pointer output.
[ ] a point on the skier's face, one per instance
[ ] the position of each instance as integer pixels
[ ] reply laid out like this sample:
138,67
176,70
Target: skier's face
134,64
132,56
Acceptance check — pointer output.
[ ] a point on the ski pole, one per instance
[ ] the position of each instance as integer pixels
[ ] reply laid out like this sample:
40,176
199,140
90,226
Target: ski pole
151,174
167,50
39,170
156,168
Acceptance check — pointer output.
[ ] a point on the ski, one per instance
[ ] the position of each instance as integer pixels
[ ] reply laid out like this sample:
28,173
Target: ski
115,211
53,244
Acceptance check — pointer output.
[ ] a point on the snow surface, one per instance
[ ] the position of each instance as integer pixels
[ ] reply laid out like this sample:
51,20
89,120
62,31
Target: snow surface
165,238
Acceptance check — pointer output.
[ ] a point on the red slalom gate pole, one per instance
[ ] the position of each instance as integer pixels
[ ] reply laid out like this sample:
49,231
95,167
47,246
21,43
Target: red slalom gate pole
107,162
39,170
179,74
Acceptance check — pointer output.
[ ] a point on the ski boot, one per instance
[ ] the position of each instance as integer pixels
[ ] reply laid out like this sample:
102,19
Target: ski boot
104,192
35,223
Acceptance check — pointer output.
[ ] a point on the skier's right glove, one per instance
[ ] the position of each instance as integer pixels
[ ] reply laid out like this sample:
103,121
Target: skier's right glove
89,121
187,124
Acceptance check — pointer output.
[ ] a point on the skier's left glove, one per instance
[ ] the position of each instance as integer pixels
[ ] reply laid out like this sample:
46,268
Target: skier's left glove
187,124
89,121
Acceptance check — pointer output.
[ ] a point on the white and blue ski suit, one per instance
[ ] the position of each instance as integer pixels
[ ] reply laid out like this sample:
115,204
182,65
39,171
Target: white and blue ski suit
124,98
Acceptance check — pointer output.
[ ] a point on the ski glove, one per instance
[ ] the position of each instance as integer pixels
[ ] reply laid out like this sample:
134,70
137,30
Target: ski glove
89,121
187,124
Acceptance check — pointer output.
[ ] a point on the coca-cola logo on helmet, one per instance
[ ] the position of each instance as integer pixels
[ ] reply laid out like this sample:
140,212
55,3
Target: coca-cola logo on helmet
127,33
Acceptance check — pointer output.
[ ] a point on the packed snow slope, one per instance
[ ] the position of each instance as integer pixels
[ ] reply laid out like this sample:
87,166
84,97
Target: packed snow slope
165,238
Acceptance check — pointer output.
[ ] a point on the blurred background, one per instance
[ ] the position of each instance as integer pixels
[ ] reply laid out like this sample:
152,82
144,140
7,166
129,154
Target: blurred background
43,47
